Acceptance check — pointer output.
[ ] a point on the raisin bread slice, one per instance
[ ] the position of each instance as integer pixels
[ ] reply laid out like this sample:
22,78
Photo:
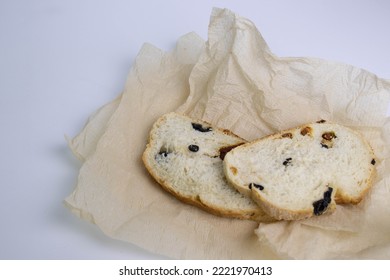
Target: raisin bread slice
304,171
185,157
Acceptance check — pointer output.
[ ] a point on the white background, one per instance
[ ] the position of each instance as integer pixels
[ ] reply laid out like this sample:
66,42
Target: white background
61,60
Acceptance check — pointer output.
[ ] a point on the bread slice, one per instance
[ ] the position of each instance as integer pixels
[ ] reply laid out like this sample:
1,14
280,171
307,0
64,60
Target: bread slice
304,171
185,157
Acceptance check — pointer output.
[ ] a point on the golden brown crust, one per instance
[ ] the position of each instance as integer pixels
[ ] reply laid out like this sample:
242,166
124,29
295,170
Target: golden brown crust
196,201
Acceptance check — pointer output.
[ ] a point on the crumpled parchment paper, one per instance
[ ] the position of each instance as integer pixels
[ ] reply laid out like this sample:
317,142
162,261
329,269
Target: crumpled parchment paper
232,81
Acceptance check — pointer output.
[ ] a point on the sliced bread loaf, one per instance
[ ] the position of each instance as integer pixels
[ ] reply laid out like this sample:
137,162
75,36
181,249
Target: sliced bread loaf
304,171
185,157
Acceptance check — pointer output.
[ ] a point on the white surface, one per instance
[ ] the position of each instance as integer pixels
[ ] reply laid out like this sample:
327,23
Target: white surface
61,60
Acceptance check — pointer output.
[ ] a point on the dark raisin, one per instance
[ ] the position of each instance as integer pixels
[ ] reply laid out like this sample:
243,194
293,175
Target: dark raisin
193,148
324,146
257,186
329,135
305,131
199,127
321,121
287,161
328,195
321,205
287,135
373,161
224,150
260,187
163,153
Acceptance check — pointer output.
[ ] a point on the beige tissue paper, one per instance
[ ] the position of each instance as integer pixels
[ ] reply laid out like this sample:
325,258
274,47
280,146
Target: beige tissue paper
235,82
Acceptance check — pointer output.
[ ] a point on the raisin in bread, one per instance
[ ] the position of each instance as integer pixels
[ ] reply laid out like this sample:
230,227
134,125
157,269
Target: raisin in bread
304,171
185,157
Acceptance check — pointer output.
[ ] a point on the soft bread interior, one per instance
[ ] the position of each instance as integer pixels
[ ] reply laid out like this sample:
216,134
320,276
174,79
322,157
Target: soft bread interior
288,173
184,156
